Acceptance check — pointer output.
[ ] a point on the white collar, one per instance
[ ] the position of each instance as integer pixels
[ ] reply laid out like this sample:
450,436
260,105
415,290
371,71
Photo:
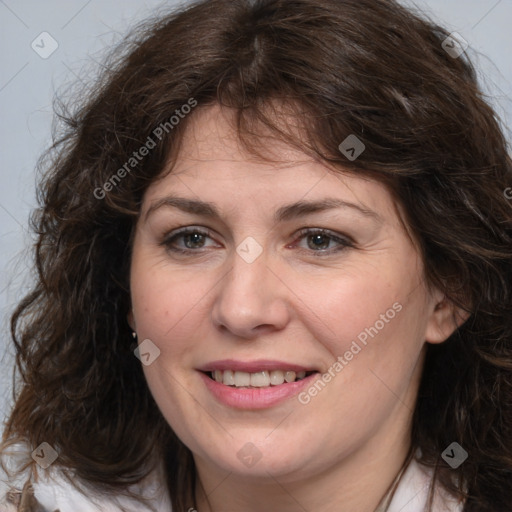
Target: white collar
412,493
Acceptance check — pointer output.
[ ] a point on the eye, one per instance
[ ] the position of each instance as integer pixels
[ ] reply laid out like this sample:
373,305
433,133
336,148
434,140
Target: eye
193,238
318,241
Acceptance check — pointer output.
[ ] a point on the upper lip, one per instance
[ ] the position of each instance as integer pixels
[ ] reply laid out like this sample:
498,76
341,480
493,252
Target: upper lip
253,366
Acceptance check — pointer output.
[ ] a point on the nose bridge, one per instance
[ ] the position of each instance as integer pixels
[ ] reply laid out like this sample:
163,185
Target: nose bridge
250,295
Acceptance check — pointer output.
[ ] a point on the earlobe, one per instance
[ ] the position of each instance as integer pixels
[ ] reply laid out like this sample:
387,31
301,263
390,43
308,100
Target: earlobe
444,320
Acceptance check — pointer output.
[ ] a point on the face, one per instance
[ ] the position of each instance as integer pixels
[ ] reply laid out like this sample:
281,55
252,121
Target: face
270,288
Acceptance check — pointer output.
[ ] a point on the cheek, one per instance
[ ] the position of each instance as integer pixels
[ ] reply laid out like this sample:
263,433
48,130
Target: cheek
166,302
349,305
371,317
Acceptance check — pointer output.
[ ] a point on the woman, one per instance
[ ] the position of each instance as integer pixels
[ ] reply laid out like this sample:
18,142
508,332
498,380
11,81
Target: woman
274,273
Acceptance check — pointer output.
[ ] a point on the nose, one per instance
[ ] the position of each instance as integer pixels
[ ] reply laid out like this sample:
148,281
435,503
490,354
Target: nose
252,299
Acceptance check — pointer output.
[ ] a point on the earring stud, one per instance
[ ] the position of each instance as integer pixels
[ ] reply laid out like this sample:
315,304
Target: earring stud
134,334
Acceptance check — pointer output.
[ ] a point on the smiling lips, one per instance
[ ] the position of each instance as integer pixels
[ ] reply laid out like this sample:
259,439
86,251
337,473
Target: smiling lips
254,385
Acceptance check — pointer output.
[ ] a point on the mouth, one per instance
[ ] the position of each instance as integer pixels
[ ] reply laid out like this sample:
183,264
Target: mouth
255,385
260,379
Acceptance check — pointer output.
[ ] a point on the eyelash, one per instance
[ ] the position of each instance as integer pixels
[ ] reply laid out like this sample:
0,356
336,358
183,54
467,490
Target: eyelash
345,242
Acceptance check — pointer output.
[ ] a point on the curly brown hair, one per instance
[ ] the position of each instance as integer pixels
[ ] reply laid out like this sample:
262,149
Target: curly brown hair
365,67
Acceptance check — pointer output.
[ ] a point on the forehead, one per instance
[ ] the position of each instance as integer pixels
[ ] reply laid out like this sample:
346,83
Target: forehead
211,133
212,165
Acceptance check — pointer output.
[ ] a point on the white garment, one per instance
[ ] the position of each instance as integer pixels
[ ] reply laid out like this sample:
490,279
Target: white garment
413,490
54,492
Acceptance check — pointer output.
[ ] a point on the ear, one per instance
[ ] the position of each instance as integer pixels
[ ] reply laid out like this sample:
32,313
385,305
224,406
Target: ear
445,318
131,320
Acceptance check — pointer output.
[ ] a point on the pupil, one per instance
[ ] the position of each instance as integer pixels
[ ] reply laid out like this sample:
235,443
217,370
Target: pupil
319,238
194,235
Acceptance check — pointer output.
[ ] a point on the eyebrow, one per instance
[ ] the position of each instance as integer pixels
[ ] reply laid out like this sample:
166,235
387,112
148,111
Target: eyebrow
285,213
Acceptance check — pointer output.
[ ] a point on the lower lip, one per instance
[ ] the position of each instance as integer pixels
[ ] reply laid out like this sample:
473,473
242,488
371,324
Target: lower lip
255,398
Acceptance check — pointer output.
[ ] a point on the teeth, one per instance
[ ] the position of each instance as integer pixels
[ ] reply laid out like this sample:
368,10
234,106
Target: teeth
228,378
290,376
242,379
276,377
261,379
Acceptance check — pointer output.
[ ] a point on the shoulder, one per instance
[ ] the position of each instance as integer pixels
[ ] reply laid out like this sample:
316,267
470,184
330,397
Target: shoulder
413,490
49,490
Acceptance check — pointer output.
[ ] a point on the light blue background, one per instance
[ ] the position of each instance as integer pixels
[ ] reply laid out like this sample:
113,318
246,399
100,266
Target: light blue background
84,30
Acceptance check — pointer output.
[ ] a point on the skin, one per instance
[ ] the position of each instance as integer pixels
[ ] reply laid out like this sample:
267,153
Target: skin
342,450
